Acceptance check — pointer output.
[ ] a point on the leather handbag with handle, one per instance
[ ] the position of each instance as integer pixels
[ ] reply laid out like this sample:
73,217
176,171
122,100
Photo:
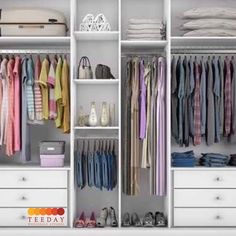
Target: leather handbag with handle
85,69
103,72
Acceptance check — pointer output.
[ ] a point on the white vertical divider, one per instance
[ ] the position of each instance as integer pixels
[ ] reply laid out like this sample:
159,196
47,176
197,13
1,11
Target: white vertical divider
168,109
72,102
119,110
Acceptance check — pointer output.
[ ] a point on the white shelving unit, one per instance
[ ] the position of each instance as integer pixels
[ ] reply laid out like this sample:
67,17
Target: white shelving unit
107,48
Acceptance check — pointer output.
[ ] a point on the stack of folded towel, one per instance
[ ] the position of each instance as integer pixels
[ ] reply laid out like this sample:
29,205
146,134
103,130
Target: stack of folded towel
210,22
145,29
183,159
232,161
214,160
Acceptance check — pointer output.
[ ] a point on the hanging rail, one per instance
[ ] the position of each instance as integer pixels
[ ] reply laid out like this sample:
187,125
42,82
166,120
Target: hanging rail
34,51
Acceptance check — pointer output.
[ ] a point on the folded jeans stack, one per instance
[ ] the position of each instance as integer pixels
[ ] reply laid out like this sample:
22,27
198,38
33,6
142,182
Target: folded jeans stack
214,160
210,22
183,159
232,161
145,29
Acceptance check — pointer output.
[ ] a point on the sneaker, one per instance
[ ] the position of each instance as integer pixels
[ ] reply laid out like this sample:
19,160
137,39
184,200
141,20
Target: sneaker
112,218
101,221
135,220
126,220
160,219
148,220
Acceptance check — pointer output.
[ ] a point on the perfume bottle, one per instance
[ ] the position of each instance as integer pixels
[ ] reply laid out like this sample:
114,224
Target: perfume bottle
104,115
81,119
93,115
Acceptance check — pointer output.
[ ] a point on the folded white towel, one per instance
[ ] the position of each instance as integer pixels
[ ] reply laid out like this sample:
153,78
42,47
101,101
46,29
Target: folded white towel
144,31
155,36
145,21
145,26
210,12
211,33
209,24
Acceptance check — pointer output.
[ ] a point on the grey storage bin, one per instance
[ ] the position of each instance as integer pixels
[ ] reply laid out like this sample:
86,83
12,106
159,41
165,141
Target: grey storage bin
52,147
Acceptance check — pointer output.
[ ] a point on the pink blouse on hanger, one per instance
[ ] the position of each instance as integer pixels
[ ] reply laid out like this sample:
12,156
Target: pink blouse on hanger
17,99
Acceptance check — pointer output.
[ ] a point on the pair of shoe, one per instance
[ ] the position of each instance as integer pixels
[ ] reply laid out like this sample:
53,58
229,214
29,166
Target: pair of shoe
158,220
134,220
83,222
149,220
107,218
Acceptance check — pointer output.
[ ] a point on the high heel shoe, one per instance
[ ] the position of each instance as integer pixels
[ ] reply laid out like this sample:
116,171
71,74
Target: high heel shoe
80,222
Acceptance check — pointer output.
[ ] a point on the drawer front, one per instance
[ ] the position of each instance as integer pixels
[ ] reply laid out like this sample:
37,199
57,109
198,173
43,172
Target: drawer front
33,198
33,179
204,179
204,198
19,217
211,217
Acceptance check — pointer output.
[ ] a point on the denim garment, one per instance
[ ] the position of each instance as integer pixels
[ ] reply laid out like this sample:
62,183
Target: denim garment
203,97
190,102
112,170
216,89
188,154
90,169
98,170
215,155
105,174
180,78
80,174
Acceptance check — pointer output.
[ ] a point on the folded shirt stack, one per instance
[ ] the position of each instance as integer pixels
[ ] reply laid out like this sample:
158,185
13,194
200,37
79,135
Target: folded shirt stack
214,160
183,159
145,29
232,161
210,22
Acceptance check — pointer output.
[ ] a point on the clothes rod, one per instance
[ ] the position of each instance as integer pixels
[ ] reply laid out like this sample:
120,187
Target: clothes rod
177,52
34,51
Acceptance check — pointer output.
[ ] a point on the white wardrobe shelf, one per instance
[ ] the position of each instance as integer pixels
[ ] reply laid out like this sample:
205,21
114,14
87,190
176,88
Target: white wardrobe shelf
96,128
34,42
199,168
130,44
96,81
108,35
200,42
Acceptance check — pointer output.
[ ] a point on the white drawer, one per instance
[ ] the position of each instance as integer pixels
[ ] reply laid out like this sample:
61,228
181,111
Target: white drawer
204,198
33,179
204,217
19,217
204,179
33,198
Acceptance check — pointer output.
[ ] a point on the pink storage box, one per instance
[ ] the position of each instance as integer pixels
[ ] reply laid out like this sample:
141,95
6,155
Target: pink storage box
52,160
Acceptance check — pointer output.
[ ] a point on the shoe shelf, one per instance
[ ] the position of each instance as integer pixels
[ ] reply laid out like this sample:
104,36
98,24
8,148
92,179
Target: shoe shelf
97,81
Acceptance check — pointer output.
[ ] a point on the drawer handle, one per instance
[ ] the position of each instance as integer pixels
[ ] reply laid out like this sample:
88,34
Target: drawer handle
23,217
23,198
218,198
218,179
218,217
23,179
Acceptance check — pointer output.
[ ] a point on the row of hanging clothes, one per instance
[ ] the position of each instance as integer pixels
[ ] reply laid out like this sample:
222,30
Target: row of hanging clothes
96,163
32,90
144,123
203,98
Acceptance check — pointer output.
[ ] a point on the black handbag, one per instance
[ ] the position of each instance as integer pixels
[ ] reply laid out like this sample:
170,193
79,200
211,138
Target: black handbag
103,72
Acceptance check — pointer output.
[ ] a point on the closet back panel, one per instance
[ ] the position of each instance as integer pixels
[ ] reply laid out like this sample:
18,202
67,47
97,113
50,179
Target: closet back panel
100,93
62,6
100,52
179,6
108,7
141,10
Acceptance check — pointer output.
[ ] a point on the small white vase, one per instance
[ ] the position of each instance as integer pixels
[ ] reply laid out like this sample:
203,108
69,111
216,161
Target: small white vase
93,115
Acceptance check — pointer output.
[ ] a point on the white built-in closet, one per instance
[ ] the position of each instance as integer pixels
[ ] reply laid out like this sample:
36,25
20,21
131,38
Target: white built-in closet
109,48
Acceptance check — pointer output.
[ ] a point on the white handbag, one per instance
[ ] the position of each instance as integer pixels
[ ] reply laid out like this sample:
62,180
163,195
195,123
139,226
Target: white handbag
84,69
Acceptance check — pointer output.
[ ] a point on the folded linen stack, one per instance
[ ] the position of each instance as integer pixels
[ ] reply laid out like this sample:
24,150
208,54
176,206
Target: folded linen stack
210,22
145,29
183,159
214,160
232,161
